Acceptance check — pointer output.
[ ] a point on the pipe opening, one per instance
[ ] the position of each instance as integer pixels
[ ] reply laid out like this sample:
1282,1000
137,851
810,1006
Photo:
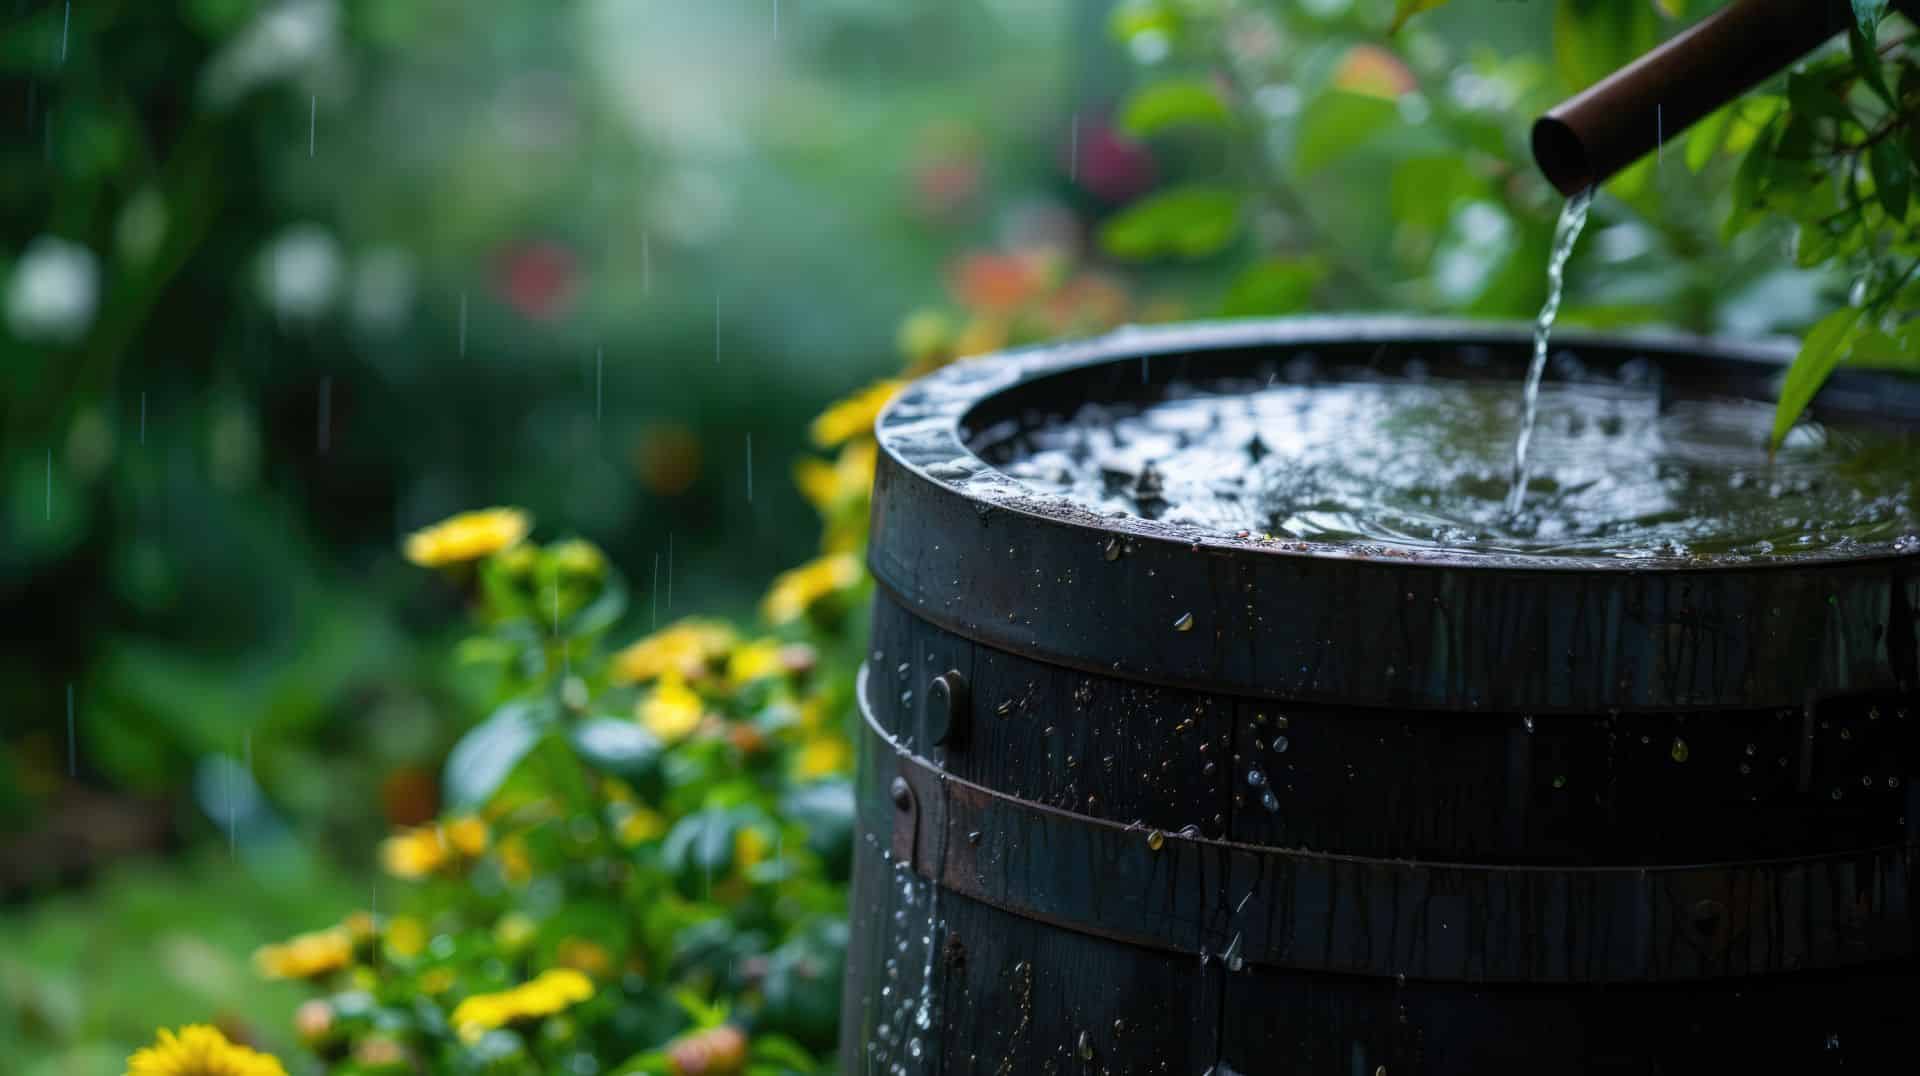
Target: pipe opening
1561,155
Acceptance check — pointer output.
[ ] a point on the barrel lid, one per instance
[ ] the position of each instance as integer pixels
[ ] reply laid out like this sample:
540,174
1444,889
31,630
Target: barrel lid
970,548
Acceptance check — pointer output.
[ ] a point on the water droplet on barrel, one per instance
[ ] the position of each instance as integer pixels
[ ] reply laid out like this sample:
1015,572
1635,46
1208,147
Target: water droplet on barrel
1086,1047
1256,778
1268,800
1679,750
1527,722
1112,549
1156,840
1280,743
1185,623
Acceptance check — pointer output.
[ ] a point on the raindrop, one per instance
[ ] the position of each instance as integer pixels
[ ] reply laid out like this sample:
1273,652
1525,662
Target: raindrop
1085,1047
1527,722
1280,743
1111,550
1281,722
1156,840
1256,778
1268,800
1185,623
1559,781
1679,750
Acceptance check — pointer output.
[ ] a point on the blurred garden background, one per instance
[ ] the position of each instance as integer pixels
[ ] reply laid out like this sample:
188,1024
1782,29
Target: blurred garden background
287,281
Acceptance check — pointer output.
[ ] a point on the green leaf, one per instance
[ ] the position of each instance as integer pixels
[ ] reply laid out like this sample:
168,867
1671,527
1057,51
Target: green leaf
1277,286
1407,9
1866,61
1825,345
487,754
1810,96
603,611
1868,13
1748,186
825,808
1173,103
619,747
1336,123
1892,177
1425,190
1189,222
1594,38
1704,140
701,844
1751,118
1874,348
1814,244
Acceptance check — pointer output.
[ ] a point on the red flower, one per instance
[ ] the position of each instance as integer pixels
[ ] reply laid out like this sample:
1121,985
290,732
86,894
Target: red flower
538,278
1110,166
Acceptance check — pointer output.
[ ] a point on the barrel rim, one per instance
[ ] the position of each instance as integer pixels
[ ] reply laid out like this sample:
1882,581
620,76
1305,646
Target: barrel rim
936,407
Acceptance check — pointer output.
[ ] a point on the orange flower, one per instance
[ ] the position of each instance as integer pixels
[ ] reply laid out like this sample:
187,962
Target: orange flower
999,283
1374,72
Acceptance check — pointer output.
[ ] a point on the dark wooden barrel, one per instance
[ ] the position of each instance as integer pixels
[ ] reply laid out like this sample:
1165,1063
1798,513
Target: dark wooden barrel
1533,816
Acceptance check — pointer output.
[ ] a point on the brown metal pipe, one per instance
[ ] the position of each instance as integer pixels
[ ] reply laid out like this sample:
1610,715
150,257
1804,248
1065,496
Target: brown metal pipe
1626,115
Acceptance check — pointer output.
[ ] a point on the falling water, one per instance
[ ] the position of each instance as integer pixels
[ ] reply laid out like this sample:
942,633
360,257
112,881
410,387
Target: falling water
1567,232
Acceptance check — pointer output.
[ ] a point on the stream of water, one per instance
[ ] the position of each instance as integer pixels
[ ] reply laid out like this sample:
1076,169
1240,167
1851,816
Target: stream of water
1566,233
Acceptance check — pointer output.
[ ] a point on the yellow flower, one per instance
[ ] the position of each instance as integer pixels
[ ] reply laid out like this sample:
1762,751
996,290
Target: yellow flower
200,1050
414,853
854,415
585,956
515,863
750,846
827,486
673,711
468,835
468,536
795,591
308,956
755,661
822,756
687,648
553,991
640,825
406,937
360,926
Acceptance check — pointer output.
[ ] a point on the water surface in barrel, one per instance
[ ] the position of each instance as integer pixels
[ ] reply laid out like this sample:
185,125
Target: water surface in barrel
1613,470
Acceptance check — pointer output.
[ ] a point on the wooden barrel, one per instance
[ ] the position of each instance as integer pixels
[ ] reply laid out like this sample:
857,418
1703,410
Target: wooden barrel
1531,815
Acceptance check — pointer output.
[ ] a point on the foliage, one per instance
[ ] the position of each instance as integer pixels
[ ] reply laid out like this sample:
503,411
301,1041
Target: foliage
657,845
1323,120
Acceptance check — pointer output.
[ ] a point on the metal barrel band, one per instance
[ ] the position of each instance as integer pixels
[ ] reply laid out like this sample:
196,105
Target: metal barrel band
1286,908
